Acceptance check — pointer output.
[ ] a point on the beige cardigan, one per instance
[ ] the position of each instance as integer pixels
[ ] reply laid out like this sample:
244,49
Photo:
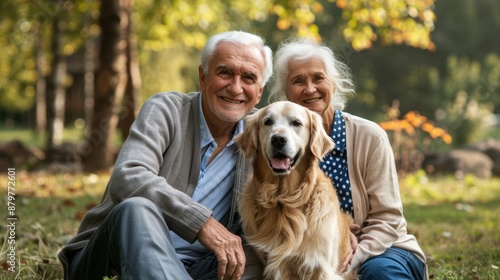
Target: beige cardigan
375,189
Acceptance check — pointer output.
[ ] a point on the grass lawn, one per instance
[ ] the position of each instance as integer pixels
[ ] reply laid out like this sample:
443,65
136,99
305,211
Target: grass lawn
28,137
48,210
455,221
457,224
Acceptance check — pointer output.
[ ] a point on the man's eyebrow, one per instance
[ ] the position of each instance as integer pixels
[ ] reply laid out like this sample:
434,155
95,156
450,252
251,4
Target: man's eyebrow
250,73
224,67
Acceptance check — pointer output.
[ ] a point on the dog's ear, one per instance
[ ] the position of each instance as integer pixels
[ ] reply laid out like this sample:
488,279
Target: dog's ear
320,142
247,140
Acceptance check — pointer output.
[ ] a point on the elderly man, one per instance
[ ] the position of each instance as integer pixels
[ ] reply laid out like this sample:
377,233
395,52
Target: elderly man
169,210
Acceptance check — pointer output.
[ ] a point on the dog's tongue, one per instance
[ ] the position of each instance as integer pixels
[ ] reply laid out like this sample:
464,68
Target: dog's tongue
281,163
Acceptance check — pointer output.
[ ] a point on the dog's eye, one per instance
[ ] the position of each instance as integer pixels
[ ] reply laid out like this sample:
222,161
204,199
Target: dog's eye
296,123
268,122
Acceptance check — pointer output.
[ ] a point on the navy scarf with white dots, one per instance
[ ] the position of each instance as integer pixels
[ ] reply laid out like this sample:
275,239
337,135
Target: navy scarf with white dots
334,164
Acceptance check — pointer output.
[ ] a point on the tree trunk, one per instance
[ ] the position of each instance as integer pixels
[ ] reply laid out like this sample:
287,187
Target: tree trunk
131,100
110,84
40,101
56,93
89,75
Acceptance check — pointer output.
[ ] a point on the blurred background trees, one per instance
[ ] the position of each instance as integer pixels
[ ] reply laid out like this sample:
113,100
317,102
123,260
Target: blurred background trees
90,64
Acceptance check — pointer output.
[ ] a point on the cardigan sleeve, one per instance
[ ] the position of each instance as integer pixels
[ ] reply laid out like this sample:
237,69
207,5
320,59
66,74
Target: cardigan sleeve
381,215
157,141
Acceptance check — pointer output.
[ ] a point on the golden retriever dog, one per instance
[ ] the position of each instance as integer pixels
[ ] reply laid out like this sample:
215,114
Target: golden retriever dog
289,208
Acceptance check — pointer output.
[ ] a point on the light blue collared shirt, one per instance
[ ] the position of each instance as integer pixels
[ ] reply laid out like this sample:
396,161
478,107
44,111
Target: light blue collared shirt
214,189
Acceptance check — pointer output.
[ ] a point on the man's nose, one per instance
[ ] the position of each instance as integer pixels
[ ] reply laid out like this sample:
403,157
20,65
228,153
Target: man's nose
235,86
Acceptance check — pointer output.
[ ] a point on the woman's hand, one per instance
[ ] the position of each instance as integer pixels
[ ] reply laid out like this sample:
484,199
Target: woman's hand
354,247
226,246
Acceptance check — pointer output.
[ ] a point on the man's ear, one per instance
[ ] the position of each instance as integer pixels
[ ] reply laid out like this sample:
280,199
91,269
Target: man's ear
260,95
201,78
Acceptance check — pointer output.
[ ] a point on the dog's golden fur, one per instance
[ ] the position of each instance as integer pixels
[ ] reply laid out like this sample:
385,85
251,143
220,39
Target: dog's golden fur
289,209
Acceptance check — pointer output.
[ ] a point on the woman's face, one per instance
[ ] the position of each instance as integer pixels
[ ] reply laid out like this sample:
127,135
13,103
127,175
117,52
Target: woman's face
308,85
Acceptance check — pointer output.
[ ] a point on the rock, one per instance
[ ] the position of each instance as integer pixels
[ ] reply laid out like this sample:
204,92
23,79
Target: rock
16,154
491,148
466,161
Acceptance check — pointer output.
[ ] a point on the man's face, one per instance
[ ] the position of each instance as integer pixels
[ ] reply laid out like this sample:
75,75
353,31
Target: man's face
233,84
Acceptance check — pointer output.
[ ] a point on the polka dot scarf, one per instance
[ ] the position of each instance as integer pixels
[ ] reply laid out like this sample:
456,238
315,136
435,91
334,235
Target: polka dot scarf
334,164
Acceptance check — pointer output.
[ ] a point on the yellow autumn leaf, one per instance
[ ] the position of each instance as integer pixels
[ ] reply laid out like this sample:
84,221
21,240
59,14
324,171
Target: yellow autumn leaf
283,24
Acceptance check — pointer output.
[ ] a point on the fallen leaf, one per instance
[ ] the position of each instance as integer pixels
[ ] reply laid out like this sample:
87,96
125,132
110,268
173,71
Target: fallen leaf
446,234
68,203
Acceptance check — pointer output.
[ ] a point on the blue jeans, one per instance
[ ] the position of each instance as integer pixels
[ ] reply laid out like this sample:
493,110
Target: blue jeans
394,264
134,242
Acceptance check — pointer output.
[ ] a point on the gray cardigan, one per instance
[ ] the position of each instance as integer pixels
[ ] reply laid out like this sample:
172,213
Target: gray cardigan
160,160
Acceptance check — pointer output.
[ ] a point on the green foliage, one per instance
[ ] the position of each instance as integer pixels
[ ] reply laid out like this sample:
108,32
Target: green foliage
25,27
179,74
433,83
390,22
470,90
161,24
170,33
17,76
166,24
467,27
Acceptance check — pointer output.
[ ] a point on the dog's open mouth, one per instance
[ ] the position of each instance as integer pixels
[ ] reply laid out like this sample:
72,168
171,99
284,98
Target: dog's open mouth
280,163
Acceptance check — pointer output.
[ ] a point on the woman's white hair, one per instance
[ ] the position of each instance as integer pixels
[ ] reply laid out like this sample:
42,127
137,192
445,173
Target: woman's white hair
241,38
304,49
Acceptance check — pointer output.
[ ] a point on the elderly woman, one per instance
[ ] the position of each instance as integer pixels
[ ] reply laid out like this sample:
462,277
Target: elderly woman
361,166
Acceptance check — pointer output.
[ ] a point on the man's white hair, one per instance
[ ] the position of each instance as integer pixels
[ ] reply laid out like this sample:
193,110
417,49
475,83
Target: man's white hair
241,38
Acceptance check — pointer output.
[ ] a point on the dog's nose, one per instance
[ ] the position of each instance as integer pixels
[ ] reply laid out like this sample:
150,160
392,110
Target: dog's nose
278,141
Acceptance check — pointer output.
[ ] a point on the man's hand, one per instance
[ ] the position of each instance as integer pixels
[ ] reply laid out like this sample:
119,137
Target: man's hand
226,246
354,247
